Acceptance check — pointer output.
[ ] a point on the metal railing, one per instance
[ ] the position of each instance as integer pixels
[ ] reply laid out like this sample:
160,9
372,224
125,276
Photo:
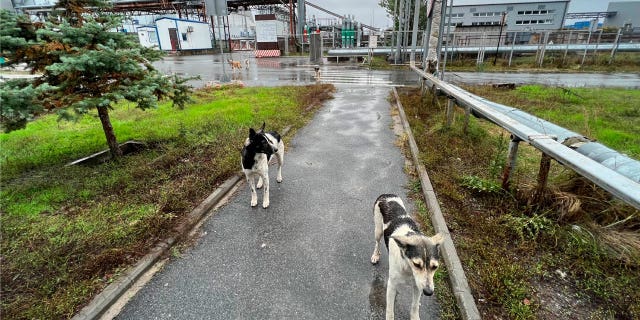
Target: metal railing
620,184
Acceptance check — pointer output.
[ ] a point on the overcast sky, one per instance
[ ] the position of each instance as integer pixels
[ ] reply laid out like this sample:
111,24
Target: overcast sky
369,12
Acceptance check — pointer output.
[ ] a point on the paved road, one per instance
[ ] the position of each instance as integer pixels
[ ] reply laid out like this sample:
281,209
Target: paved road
279,71
307,255
297,70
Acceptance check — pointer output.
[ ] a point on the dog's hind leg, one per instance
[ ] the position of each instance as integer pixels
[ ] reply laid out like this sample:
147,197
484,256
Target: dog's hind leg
259,185
377,220
265,194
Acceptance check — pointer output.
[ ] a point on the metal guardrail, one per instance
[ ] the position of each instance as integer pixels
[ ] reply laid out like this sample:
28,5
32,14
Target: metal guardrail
602,154
614,182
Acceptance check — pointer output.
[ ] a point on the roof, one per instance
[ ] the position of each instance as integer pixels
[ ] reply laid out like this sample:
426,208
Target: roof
183,20
459,3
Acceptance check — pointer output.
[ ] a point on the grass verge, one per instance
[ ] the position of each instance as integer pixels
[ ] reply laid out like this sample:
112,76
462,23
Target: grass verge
553,62
573,255
610,116
67,231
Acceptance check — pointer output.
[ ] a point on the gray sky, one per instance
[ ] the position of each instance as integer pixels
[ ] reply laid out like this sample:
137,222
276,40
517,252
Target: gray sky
369,12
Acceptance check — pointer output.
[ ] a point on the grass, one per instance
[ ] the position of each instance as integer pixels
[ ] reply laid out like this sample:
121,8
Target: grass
610,116
67,231
553,62
513,251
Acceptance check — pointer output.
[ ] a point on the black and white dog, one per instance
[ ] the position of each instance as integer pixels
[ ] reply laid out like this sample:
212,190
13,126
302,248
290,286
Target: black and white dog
257,152
413,257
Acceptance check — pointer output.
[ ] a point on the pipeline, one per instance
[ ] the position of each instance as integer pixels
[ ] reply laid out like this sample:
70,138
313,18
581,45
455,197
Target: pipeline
622,47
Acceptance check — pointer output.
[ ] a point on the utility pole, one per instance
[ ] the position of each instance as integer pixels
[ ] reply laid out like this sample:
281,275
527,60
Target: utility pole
504,15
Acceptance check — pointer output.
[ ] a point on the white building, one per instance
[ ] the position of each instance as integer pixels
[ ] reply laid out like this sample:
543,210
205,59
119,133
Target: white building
148,36
177,34
519,15
626,15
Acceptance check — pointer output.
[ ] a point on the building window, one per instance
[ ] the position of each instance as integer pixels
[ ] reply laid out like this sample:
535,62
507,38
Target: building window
184,36
456,15
487,14
547,21
153,37
535,12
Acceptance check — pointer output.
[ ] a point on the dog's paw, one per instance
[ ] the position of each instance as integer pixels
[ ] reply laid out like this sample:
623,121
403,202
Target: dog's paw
375,258
279,179
265,204
254,203
259,184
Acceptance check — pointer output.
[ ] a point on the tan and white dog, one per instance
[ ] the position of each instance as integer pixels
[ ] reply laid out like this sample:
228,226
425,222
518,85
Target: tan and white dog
235,64
413,257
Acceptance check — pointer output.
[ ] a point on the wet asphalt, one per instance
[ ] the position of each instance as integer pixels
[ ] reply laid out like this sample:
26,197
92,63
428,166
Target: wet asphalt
298,70
307,255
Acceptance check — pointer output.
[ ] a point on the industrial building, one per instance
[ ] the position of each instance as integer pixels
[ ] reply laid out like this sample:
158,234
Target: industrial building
627,15
178,34
515,15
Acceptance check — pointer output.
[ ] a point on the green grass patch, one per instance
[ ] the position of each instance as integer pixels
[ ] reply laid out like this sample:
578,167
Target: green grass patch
553,62
608,115
67,231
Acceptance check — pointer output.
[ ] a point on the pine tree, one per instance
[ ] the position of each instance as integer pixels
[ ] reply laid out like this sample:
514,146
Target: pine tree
84,65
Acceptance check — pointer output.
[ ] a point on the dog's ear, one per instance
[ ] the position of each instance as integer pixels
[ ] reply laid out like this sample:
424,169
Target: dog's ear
437,239
263,125
252,133
405,241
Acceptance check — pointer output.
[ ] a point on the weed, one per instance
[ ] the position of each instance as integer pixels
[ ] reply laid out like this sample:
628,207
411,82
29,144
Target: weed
528,227
481,185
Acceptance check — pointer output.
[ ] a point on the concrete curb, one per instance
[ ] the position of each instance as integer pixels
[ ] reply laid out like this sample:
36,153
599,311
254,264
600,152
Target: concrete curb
109,295
457,278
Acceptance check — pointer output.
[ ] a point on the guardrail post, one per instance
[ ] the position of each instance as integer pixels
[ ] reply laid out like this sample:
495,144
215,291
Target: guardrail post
543,175
450,105
615,46
511,162
566,49
434,95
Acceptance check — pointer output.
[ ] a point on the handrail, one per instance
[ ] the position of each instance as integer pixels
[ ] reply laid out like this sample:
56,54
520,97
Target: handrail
617,184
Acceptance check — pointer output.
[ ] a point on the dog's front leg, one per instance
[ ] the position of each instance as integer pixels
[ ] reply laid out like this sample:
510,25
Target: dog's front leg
280,157
415,304
391,299
377,219
254,194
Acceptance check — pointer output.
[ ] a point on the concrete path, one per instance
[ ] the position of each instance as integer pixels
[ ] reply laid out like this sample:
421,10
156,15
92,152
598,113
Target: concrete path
307,255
